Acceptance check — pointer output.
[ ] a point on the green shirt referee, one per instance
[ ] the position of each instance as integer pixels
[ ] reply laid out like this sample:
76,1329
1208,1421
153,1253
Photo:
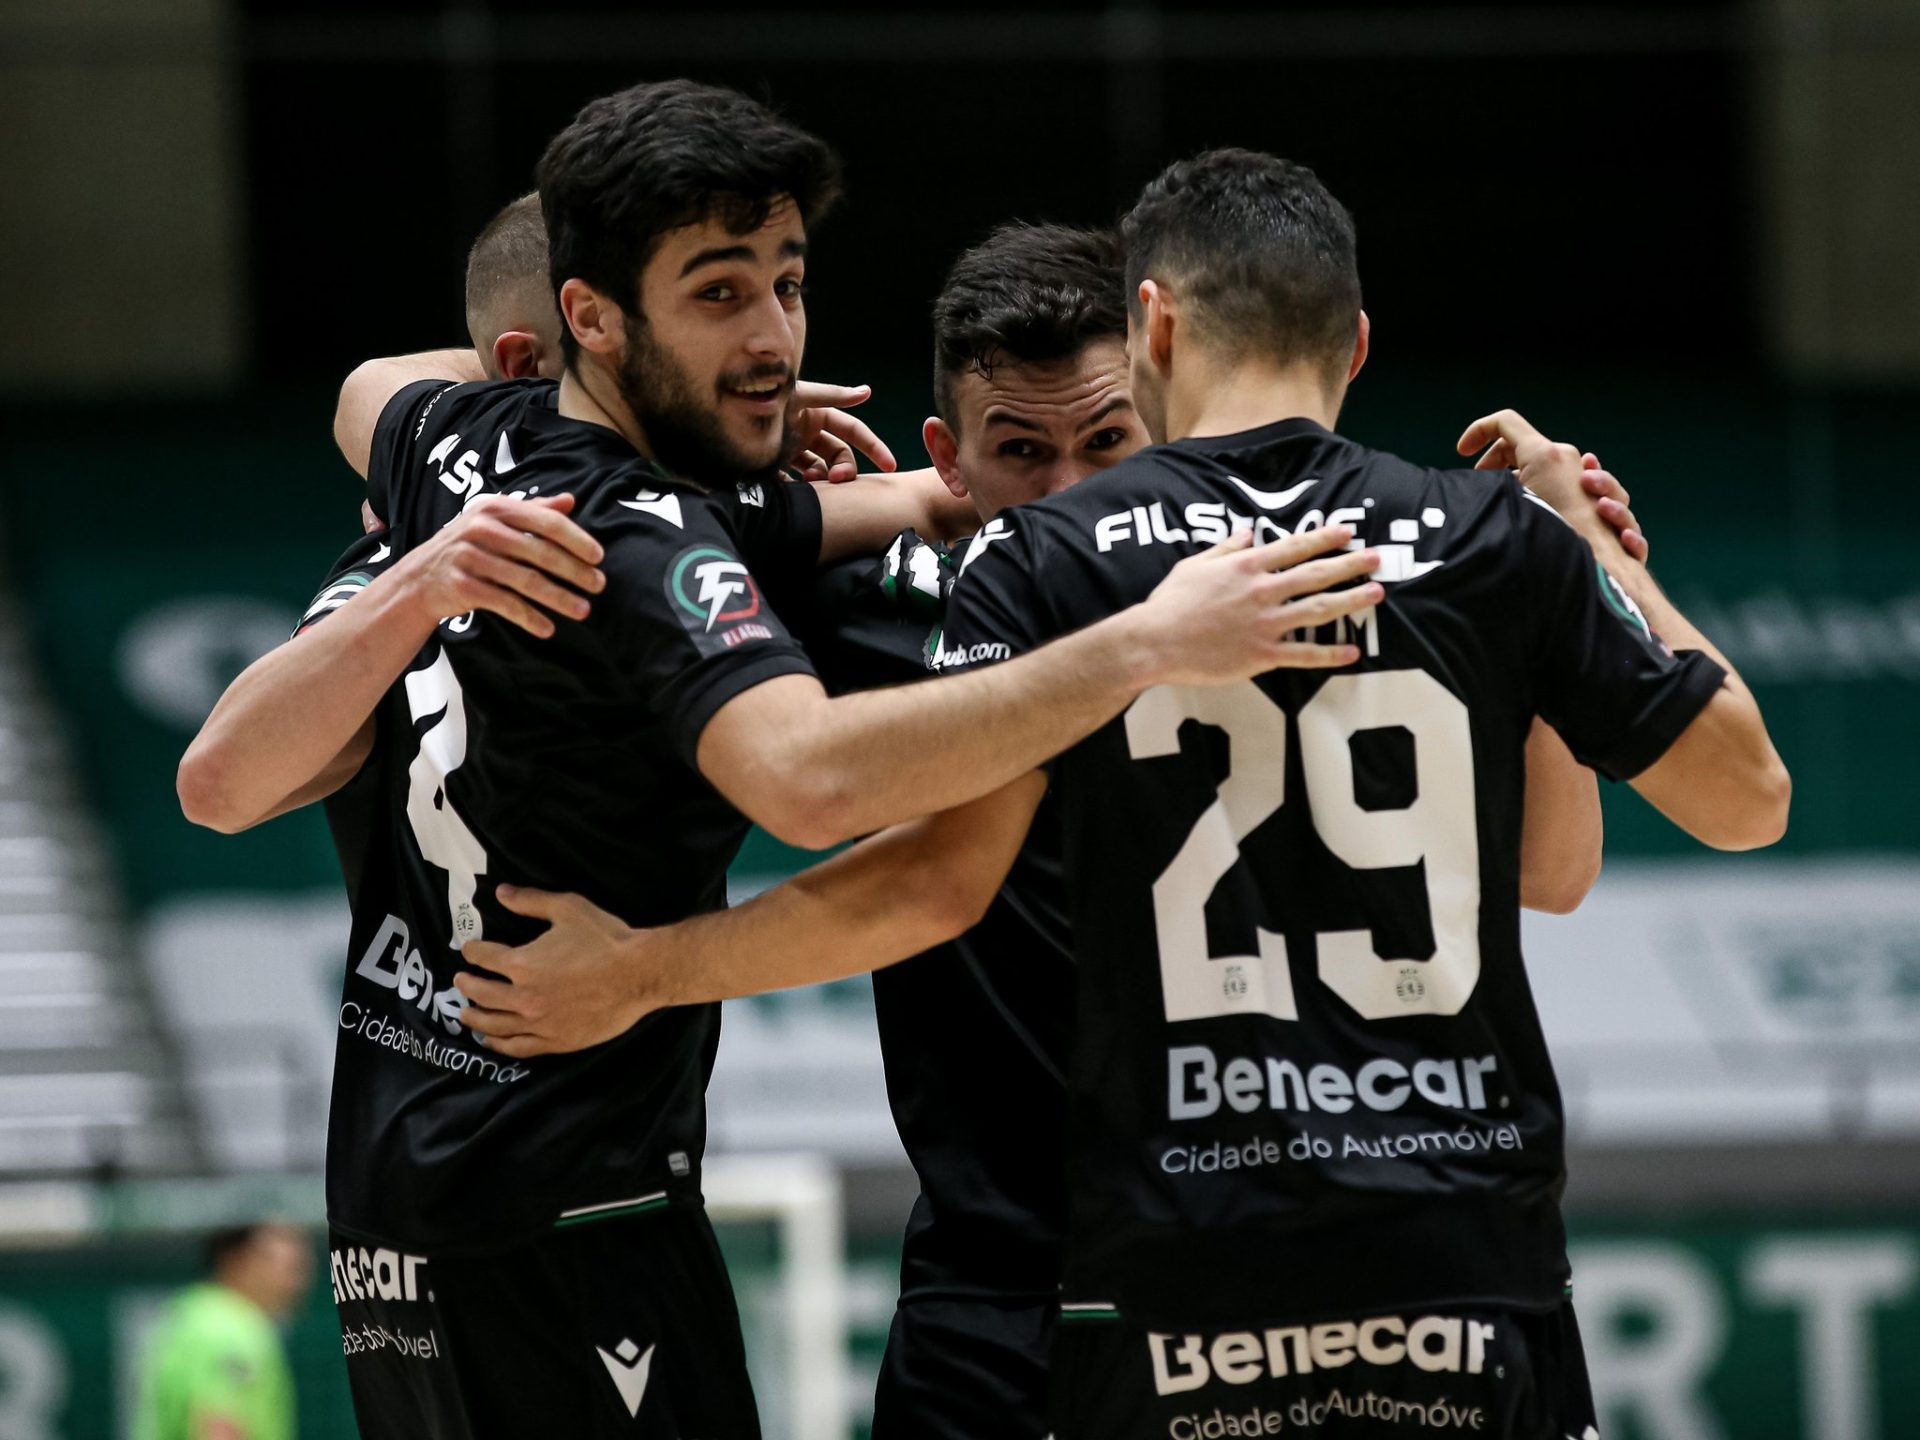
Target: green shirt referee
214,1367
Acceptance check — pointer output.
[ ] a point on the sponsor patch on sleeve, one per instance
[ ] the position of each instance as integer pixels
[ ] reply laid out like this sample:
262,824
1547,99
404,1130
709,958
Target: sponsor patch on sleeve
712,594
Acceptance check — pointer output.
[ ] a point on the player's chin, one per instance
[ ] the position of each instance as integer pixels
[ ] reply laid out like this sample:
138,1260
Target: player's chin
756,439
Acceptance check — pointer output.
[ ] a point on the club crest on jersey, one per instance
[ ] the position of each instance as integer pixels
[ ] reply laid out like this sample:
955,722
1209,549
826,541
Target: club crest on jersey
715,598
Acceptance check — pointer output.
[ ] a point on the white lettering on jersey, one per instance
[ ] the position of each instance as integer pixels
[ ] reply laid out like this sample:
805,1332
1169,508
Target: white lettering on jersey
1437,1344
1198,1084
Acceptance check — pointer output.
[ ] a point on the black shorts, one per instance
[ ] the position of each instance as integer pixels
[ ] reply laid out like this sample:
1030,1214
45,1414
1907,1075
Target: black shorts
620,1328
964,1369
1472,1374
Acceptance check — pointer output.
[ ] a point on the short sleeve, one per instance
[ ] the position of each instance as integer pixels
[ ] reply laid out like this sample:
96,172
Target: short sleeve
779,529
402,425
684,616
359,564
994,611
1616,693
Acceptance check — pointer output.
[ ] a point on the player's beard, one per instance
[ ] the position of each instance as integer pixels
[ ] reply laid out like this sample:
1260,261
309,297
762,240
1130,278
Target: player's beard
686,437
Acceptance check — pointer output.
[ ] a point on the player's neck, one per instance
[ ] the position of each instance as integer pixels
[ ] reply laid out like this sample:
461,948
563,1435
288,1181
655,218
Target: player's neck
591,396
1230,399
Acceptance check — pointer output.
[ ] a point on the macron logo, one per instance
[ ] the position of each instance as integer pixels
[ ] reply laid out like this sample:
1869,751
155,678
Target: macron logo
654,502
1272,500
629,1367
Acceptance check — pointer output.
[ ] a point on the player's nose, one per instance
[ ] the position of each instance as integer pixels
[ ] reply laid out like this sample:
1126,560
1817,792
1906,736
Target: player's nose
771,335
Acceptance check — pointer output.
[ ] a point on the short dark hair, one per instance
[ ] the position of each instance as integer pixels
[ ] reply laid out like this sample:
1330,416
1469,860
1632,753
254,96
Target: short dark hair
228,1241
634,165
1258,250
1026,294
510,252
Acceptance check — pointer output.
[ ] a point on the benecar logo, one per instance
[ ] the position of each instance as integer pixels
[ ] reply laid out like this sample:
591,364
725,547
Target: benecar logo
1437,1344
629,1367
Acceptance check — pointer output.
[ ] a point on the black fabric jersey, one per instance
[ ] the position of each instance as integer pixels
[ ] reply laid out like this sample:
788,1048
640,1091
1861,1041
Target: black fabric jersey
566,764
974,1034
1308,1078
354,810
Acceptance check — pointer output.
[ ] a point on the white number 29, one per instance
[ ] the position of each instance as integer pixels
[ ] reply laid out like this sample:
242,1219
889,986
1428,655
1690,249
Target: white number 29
443,837
1438,828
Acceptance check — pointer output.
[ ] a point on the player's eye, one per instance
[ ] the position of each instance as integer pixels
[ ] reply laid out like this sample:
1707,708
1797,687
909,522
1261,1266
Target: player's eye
1019,449
717,293
1107,439
791,288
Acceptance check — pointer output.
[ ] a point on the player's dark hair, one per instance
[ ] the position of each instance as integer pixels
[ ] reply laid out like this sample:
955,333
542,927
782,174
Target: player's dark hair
1259,253
1027,293
226,1242
511,251
634,165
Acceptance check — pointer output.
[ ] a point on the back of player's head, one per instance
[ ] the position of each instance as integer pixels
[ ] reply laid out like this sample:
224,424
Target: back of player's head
650,159
507,272
1027,294
1259,253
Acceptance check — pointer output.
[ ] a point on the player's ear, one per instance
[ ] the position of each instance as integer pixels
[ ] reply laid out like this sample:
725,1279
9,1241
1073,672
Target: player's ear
598,325
943,448
1360,339
516,355
1157,318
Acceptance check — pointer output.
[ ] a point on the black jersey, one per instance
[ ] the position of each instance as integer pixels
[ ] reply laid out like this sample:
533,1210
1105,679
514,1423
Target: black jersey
1308,1077
974,1033
354,810
566,764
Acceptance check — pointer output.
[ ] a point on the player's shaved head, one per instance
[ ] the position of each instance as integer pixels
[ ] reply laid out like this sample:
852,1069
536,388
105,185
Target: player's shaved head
507,284
1027,294
1260,254
654,158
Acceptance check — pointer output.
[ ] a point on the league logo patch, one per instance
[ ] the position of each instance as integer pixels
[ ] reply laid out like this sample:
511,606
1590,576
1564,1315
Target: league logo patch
715,598
1621,603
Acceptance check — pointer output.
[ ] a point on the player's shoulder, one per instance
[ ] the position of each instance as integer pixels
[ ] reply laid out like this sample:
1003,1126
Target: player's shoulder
437,406
634,504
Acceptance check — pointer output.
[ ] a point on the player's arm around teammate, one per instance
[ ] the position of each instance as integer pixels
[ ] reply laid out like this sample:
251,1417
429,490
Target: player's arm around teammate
298,722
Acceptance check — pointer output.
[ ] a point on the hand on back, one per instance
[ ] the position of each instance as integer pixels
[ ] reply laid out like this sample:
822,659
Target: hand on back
517,559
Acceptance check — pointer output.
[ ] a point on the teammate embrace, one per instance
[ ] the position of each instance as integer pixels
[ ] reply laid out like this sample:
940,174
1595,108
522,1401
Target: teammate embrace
1215,815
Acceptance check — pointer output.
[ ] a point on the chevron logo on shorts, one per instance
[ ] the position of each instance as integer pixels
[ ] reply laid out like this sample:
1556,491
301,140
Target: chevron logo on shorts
628,1367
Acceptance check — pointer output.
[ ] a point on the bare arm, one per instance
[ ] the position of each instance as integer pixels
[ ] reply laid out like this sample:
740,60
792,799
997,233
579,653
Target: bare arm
1561,837
862,516
372,384
298,722
590,977
815,771
1721,781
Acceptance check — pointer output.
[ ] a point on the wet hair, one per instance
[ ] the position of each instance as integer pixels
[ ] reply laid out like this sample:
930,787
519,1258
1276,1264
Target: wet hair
655,157
509,255
1026,294
1260,254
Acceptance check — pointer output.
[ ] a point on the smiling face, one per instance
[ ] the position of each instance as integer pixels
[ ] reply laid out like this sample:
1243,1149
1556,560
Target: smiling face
709,363
1032,429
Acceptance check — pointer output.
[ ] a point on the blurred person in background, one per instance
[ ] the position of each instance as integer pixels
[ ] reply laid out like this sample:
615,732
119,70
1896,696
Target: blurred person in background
215,1367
